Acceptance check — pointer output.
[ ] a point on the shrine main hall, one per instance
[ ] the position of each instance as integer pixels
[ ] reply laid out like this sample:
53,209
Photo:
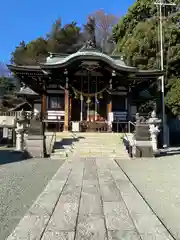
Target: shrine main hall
91,88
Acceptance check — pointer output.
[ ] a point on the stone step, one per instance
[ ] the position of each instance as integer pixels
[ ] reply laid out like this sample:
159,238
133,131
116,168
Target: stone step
100,148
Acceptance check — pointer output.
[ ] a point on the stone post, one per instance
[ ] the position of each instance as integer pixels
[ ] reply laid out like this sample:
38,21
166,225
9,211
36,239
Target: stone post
19,140
20,129
154,123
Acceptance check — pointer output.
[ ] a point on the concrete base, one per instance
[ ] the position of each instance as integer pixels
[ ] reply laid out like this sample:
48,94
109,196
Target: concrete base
35,146
143,149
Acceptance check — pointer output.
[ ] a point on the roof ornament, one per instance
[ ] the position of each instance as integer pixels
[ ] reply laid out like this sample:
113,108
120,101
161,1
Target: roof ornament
50,55
113,73
89,28
22,86
122,58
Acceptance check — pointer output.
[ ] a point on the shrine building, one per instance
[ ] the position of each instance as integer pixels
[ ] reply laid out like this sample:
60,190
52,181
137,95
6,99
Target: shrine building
88,87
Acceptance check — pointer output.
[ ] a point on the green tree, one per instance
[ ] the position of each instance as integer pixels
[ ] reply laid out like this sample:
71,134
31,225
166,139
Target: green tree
7,86
60,39
172,99
136,35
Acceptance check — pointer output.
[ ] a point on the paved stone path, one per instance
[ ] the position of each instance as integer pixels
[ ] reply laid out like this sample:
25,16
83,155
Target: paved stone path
90,198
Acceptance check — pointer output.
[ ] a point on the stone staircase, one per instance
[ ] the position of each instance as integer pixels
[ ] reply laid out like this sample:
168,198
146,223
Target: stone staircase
91,144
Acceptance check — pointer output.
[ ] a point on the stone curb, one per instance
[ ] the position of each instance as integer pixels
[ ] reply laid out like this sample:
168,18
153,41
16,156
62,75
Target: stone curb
33,224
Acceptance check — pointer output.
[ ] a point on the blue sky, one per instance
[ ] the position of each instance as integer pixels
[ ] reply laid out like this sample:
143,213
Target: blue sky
29,19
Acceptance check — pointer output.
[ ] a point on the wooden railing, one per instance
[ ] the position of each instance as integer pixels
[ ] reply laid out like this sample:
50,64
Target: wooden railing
10,114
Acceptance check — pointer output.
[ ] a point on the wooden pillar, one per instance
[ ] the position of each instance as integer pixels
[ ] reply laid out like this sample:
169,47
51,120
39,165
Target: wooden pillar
129,103
44,105
109,103
109,107
70,107
66,102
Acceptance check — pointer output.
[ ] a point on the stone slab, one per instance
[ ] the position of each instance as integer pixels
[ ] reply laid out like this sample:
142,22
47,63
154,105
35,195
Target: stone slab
91,227
55,235
64,218
123,235
117,217
109,192
90,204
70,194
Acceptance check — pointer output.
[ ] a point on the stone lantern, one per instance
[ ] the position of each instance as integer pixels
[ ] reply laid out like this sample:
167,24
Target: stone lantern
154,130
21,125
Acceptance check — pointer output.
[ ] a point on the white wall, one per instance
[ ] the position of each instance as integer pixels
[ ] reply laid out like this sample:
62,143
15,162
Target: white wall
7,120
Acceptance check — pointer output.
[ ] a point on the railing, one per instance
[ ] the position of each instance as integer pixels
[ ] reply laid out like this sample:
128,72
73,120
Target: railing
131,126
119,126
13,113
129,145
86,126
51,145
98,126
10,114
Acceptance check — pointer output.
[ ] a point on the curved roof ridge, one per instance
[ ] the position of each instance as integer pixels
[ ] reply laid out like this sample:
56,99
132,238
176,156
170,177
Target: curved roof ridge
117,63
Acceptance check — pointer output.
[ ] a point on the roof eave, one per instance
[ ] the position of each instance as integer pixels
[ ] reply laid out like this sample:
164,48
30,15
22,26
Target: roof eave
24,68
150,73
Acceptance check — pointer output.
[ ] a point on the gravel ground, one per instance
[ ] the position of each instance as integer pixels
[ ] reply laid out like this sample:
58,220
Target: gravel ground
158,180
21,182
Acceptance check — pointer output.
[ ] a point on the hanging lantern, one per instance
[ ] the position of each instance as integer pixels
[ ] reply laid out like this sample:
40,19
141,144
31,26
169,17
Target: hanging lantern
88,100
76,95
100,96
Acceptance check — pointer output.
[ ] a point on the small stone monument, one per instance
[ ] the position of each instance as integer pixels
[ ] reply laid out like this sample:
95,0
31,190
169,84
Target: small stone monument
154,130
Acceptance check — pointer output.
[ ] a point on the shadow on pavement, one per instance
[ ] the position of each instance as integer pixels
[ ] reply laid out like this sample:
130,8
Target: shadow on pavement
170,151
63,143
10,156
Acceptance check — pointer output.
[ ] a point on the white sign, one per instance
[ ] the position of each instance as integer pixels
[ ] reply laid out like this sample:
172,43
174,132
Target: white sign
110,117
75,126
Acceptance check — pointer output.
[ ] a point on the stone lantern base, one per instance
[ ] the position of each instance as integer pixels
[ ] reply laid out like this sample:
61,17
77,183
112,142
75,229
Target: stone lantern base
35,142
143,145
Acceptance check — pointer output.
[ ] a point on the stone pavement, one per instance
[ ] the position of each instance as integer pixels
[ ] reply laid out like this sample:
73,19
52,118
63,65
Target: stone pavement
90,198
21,182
